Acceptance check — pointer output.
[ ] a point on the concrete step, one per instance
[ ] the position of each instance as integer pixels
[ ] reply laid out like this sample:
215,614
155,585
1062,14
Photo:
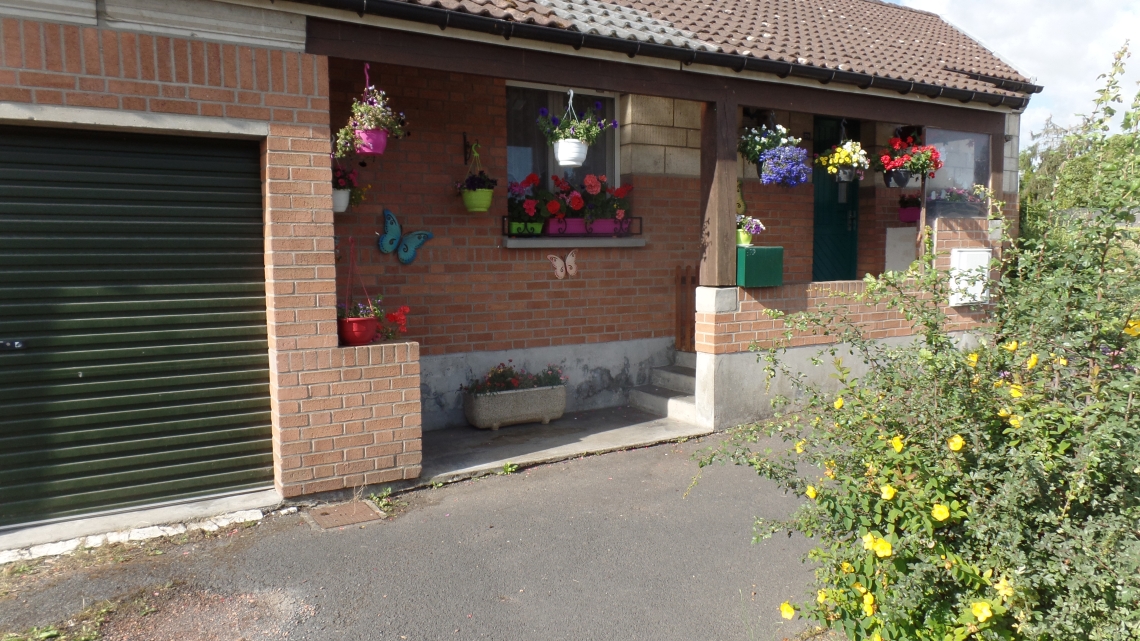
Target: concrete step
665,402
675,377
686,359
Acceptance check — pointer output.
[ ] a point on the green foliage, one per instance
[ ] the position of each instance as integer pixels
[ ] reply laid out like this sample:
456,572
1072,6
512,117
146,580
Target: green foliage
983,486
505,377
1086,166
509,468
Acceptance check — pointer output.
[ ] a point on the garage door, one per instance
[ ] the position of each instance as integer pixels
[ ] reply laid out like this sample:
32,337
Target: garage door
133,355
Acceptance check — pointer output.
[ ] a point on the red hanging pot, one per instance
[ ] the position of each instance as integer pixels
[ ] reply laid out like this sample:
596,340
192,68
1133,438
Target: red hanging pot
354,332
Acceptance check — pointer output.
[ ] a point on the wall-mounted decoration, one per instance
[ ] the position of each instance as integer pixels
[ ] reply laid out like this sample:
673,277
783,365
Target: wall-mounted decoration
564,267
404,246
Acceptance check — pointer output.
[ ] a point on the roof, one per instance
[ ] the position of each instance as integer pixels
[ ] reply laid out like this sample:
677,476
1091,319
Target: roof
859,36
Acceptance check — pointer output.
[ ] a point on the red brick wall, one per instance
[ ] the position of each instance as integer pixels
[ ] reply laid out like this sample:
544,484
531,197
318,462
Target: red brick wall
878,212
467,292
318,389
788,214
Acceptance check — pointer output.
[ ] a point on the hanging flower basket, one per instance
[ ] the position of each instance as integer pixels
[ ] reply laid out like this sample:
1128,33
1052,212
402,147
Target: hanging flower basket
372,122
354,332
771,146
845,174
846,161
896,178
341,198
478,200
570,152
371,142
574,132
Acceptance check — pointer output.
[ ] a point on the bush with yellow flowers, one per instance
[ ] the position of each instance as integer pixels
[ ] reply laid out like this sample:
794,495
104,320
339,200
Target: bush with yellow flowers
982,486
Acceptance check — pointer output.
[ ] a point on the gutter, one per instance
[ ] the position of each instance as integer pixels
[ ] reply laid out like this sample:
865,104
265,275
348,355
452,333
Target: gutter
446,19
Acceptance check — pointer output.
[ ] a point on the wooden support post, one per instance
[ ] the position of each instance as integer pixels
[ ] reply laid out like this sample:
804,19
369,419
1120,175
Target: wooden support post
718,193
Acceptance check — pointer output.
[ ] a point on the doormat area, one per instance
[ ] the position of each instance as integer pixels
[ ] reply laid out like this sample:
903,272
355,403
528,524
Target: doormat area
330,516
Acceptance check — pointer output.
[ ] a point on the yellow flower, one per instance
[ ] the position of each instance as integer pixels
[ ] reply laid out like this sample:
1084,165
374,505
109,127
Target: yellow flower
897,443
998,383
940,512
981,611
876,637
1010,346
800,447
869,603
811,494
888,492
1015,391
1032,362
1004,589
829,469
883,548
956,442
787,611
868,541
1015,420
1062,361
1133,328
846,567
820,596
838,403
1004,412
859,588
972,360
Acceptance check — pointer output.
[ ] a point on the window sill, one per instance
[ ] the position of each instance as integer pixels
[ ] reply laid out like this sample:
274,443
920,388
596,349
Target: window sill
574,241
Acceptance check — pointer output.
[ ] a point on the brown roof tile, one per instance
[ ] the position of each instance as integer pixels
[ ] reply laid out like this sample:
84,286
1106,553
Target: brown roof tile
863,36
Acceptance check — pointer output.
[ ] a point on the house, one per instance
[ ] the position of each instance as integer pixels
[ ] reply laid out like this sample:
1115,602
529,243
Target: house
171,260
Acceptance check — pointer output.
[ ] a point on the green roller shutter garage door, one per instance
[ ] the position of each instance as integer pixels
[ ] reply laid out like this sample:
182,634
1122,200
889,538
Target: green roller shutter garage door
133,355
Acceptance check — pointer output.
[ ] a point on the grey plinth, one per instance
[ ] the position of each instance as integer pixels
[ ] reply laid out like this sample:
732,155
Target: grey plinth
535,405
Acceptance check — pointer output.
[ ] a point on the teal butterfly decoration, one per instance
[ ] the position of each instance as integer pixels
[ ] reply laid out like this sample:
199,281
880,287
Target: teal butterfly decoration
404,246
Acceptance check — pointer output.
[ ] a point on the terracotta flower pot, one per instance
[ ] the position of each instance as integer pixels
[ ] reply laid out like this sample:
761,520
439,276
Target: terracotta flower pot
476,200
371,141
570,152
341,198
354,332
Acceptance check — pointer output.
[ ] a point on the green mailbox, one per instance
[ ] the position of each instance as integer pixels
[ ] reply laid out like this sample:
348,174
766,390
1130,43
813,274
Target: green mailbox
759,266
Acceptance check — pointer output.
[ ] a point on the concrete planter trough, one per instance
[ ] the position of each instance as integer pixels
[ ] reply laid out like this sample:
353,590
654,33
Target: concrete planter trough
535,405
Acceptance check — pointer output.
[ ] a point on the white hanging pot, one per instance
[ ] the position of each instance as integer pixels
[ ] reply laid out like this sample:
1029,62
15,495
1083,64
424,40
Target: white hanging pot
340,199
570,152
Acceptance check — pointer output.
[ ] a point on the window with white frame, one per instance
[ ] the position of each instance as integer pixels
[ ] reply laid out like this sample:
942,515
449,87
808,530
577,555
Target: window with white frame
966,162
528,151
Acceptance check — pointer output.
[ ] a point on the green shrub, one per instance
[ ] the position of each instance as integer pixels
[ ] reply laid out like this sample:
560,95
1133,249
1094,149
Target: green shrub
984,485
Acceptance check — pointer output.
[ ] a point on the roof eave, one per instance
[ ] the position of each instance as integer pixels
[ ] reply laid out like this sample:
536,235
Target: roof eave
445,19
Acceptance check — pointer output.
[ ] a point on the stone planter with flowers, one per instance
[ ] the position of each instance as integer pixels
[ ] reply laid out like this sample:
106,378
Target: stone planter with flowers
507,395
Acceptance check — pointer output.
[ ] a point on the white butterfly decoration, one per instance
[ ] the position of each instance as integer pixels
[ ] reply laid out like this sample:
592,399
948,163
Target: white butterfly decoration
564,267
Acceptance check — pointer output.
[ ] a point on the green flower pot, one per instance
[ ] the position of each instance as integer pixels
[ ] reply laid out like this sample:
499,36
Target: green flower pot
478,199
524,229
743,237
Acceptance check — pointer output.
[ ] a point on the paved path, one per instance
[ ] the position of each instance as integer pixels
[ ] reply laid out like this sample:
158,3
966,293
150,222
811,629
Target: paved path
603,548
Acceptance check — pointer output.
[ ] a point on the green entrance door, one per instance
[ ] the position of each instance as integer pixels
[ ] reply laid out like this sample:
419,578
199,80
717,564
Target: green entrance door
836,210
134,366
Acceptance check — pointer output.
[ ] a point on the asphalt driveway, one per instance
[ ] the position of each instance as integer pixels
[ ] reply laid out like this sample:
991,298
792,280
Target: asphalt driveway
605,547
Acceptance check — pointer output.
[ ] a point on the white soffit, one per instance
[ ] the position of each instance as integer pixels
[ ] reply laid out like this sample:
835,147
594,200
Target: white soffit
207,20
66,11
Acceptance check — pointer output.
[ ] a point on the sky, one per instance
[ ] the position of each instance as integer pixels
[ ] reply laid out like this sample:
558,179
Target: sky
1062,44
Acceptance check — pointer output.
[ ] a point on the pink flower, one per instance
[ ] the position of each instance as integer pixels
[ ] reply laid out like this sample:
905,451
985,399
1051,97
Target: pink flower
576,202
592,184
530,205
620,214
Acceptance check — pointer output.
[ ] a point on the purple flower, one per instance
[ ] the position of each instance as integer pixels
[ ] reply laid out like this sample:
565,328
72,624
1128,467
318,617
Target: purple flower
555,120
543,112
785,165
598,105
614,124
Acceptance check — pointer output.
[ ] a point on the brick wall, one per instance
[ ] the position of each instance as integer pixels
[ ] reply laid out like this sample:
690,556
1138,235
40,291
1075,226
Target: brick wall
788,214
466,291
317,388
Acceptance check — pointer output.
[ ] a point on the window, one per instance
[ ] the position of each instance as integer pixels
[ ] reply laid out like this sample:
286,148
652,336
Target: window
527,149
966,162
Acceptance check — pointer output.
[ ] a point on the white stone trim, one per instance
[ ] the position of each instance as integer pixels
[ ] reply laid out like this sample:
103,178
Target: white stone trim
718,300
80,12
91,118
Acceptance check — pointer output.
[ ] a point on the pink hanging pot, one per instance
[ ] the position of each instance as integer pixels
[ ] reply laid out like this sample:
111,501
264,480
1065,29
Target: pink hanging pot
371,141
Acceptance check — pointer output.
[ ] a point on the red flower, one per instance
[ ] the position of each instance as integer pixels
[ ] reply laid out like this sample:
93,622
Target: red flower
576,202
623,191
553,207
514,382
592,185
602,178
620,214
529,206
530,180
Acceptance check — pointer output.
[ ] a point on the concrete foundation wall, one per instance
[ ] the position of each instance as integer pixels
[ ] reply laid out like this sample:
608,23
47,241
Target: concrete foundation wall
601,374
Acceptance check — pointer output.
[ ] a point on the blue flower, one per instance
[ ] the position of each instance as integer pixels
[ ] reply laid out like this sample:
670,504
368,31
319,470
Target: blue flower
614,124
598,105
543,112
555,120
785,165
